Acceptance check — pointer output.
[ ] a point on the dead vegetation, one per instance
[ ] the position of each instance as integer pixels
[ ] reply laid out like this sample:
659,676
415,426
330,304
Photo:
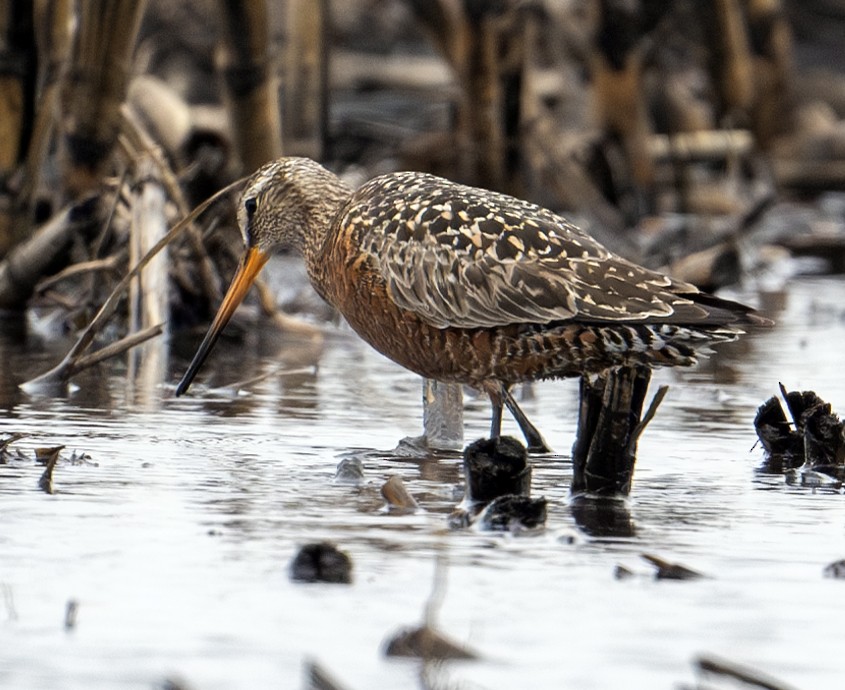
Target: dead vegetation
116,122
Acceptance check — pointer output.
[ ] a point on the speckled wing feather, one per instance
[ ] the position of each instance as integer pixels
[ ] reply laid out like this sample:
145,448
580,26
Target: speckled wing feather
464,257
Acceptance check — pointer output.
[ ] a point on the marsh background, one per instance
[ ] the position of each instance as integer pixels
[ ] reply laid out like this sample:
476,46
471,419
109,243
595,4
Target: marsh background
702,138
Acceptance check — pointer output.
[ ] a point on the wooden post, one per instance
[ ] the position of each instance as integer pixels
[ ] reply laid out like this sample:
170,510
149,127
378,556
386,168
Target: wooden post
493,82
53,27
610,422
17,83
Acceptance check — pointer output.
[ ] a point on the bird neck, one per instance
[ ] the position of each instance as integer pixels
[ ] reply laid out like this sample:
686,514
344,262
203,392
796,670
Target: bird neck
324,200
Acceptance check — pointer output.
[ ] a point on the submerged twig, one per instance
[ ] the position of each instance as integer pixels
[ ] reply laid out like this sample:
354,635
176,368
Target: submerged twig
45,483
116,348
670,571
275,371
9,440
749,676
71,610
318,678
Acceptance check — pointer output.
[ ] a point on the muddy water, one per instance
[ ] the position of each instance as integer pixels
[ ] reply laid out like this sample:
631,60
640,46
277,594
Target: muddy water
175,537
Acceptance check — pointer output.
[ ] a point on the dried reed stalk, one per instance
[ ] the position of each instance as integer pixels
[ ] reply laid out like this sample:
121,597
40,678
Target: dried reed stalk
17,86
95,87
486,46
24,266
53,40
251,89
737,77
148,294
67,367
306,78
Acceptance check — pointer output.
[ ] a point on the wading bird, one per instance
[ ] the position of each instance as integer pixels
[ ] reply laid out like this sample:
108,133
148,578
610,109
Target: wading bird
466,285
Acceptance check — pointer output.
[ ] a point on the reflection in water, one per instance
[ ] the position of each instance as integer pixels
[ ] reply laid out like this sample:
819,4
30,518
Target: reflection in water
298,393
602,516
146,372
176,542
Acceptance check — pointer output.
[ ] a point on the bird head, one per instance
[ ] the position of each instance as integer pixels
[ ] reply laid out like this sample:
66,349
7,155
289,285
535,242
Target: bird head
286,204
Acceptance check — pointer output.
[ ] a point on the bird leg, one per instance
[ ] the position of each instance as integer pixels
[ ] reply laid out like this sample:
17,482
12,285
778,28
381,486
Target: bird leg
500,396
496,420
533,437
494,391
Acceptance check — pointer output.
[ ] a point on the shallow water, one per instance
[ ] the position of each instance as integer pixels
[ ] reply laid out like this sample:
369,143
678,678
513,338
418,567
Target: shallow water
175,538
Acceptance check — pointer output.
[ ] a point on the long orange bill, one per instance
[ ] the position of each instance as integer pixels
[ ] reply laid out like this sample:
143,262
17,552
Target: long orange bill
251,264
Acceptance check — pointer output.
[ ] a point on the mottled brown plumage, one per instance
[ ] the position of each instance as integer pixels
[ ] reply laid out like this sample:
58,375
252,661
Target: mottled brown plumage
466,285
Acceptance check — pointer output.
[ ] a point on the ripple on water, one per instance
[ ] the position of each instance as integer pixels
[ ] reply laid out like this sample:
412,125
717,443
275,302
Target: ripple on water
176,542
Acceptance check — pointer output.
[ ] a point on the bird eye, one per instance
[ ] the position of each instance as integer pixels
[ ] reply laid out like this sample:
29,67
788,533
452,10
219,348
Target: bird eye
250,205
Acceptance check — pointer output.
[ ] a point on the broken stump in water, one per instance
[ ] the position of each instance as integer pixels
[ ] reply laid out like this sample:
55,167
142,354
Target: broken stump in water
321,562
814,441
783,445
511,513
498,484
610,422
495,467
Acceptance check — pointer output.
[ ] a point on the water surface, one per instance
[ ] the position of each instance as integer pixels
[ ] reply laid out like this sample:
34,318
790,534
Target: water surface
175,538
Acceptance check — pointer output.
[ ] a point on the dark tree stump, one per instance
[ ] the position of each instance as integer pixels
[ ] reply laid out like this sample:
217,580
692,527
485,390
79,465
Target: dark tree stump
498,487
784,447
610,422
512,513
495,467
815,440
321,562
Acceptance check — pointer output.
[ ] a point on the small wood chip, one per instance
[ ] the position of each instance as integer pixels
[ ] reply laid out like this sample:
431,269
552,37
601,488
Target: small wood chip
70,614
397,496
620,572
317,678
425,643
45,483
749,676
835,570
671,571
